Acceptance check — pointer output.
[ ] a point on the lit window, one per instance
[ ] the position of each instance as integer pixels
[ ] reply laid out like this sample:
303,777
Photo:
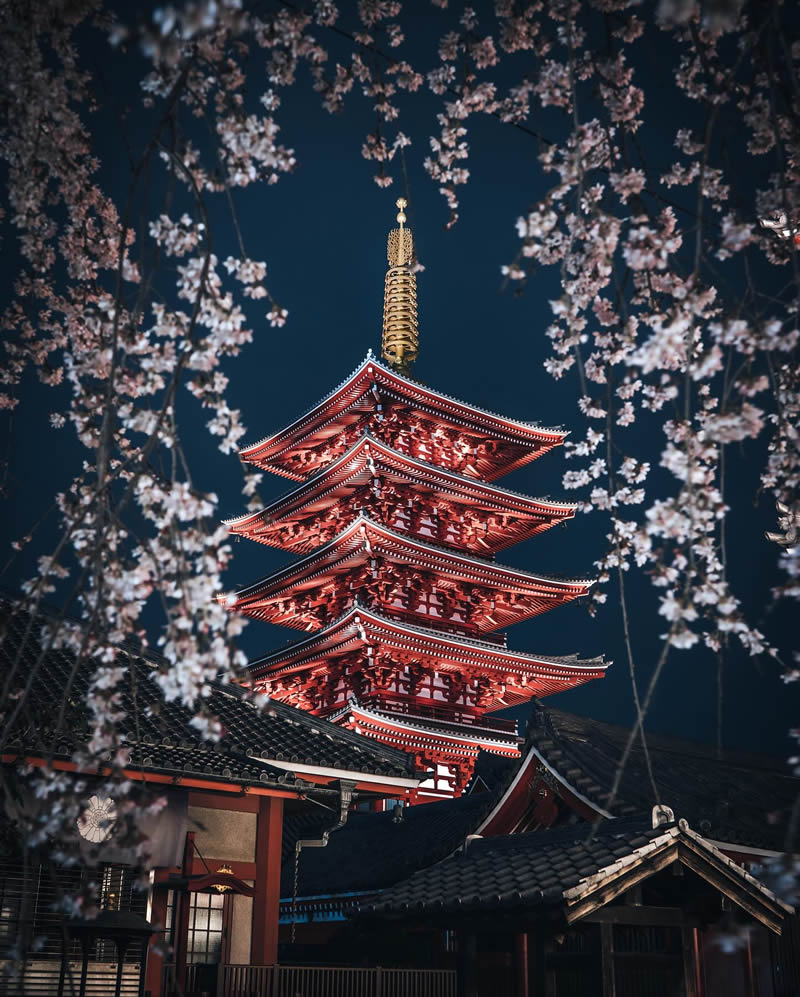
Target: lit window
204,940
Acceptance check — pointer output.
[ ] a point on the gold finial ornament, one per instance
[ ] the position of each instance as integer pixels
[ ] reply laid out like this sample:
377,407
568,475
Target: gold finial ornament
224,870
400,333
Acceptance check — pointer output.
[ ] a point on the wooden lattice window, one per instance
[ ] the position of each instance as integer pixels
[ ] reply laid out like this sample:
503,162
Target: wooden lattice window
208,917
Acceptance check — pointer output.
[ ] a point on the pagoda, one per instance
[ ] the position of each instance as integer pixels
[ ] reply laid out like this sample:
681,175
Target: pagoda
396,522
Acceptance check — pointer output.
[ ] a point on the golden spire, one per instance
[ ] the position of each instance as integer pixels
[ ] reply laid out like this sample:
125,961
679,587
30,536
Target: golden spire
400,338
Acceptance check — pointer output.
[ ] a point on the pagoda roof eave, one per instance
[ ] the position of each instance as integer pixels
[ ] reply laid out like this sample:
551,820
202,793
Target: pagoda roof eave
448,481
482,418
359,615
451,734
334,550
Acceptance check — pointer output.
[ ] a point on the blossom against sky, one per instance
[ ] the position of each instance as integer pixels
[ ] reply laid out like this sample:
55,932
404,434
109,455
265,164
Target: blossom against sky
579,180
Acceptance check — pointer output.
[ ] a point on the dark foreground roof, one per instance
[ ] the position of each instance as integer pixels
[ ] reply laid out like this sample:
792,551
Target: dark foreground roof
491,771
549,869
520,869
373,851
159,734
736,798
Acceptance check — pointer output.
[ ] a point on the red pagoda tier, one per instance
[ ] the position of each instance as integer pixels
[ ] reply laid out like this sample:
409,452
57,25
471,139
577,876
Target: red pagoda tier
398,523
469,514
410,418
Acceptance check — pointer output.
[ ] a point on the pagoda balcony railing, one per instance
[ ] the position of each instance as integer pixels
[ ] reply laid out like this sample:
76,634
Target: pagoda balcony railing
424,708
445,627
334,981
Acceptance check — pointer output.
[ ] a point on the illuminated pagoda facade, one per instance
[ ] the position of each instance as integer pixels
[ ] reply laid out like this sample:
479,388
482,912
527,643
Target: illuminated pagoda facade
397,521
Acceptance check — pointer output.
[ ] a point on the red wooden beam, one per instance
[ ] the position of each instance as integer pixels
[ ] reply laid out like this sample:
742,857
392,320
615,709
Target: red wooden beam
266,904
138,775
180,916
155,960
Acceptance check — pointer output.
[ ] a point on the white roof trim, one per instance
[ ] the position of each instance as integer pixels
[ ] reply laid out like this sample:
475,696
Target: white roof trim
434,550
324,770
575,792
663,841
405,721
459,641
731,846
520,425
521,771
366,440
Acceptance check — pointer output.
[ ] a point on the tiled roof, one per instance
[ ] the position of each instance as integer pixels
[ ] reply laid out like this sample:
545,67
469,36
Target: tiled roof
162,739
735,798
446,479
492,771
547,868
376,362
219,765
381,618
350,539
520,869
372,851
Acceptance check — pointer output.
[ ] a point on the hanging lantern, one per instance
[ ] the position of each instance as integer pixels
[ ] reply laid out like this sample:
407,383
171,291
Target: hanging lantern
224,870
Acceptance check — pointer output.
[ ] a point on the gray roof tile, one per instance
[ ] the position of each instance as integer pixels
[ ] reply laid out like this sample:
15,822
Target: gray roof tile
517,870
372,851
162,738
732,797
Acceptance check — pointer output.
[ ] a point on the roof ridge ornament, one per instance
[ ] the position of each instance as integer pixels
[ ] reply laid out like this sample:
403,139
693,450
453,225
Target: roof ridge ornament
662,816
400,343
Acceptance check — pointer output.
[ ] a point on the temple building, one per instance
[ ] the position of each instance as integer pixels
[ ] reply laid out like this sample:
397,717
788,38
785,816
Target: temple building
547,878
211,814
283,860
397,521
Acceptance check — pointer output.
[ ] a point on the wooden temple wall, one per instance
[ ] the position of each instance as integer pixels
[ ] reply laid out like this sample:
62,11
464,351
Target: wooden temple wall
606,960
28,906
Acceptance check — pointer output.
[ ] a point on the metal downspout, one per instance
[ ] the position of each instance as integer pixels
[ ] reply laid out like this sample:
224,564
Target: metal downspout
346,787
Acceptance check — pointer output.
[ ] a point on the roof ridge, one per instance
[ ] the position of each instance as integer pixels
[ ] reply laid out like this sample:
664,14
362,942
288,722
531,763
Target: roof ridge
685,746
359,607
478,408
369,358
338,387
362,519
369,437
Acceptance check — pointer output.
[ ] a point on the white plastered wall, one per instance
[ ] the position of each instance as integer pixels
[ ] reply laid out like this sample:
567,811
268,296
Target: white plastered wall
224,834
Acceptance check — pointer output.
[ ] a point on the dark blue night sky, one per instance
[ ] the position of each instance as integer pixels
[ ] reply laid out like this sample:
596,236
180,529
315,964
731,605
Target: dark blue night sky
322,231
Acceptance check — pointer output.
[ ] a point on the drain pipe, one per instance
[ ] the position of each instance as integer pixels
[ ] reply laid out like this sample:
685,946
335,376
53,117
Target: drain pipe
346,787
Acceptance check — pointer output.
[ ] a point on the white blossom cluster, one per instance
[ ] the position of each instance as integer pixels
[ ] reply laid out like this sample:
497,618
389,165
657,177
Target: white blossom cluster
660,320
646,319
129,320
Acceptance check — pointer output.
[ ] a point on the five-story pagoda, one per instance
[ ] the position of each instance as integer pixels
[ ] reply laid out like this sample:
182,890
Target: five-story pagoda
397,521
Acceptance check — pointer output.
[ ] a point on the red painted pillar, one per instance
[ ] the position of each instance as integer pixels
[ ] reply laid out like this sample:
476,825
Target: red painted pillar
180,915
521,964
266,902
155,962
698,964
751,980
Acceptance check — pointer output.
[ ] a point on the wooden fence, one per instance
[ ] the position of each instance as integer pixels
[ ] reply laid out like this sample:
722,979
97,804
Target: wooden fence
42,978
335,981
